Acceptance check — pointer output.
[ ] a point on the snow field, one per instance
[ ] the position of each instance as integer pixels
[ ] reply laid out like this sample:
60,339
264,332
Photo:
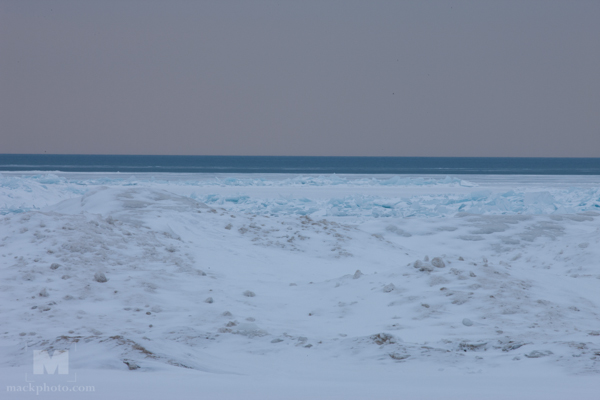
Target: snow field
145,278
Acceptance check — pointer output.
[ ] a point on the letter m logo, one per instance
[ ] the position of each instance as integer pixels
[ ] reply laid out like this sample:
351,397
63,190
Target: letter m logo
59,360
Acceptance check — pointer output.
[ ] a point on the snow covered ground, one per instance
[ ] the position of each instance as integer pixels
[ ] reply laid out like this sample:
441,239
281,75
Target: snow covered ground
207,286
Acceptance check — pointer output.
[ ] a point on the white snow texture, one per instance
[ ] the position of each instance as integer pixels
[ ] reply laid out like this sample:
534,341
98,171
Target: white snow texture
304,280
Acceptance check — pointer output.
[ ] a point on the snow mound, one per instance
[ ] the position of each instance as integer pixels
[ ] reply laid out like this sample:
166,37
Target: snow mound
142,276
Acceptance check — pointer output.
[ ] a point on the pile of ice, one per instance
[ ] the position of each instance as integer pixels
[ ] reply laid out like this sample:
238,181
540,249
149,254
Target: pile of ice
303,195
431,205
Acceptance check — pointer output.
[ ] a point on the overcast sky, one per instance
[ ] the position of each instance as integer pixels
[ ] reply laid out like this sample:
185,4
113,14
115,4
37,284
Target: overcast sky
326,78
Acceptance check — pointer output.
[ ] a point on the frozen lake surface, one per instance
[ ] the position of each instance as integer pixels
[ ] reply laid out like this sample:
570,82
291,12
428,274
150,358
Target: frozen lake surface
302,286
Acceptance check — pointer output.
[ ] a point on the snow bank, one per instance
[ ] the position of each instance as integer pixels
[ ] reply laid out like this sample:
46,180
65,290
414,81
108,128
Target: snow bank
370,281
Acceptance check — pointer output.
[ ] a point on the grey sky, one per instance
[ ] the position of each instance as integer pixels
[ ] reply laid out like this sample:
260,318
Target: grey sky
367,78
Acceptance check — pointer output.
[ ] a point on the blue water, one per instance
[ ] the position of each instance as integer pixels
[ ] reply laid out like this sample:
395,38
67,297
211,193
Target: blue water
300,165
